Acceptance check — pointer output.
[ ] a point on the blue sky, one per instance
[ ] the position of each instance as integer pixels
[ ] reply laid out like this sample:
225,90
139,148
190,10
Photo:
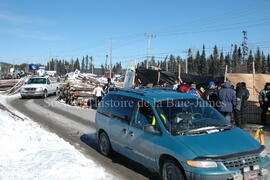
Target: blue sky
34,31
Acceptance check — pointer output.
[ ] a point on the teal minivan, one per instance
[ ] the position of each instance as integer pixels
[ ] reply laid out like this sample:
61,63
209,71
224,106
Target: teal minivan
177,135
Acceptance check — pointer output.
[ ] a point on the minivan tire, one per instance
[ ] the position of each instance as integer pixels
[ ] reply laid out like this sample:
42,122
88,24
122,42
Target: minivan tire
104,144
171,171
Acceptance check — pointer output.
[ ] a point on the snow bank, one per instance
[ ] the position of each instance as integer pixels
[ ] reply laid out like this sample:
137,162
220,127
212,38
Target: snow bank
30,152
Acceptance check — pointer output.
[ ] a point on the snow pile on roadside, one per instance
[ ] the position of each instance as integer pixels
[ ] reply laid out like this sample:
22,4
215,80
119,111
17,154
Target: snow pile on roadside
29,152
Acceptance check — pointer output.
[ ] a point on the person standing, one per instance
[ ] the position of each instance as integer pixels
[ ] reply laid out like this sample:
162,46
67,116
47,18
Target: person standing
264,98
211,94
98,93
176,84
226,100
242,95
184,87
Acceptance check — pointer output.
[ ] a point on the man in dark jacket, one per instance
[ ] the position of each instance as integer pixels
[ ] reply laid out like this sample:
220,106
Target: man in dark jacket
242,95
264,99
211,94
226,100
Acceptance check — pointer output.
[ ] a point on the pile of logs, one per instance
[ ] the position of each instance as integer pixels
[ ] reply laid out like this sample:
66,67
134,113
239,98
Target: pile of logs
76,94
7,84
78,90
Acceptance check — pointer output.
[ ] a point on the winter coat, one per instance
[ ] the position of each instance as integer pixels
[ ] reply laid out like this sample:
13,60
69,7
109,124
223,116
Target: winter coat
211,96
194,92
242,95
264,97
226,98
183,89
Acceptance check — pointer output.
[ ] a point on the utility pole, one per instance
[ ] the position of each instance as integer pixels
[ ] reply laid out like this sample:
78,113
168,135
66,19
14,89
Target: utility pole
106,63
110,58
149,37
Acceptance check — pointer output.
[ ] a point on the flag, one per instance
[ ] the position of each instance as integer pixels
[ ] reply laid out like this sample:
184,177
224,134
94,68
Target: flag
33,67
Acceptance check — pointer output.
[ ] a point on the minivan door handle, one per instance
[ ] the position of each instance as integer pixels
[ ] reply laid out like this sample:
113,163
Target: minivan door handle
124,131
131,133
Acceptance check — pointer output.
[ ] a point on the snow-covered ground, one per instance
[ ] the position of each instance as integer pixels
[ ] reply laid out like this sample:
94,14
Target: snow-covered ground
29,152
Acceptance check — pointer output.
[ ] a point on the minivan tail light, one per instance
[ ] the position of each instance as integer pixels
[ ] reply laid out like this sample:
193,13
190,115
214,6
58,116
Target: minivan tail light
202,164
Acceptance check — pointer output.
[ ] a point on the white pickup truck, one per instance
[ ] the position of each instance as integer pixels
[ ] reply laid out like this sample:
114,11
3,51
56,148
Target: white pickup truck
39,87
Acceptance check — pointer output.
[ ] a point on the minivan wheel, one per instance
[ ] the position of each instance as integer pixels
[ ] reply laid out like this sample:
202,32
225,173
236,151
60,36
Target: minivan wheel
104,144
171,171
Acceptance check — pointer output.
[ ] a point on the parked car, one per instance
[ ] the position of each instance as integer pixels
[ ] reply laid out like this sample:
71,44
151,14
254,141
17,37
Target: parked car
177,135
39,87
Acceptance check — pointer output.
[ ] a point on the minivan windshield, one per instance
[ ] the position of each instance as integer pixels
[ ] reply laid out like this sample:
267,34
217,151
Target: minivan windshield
37,81
188,115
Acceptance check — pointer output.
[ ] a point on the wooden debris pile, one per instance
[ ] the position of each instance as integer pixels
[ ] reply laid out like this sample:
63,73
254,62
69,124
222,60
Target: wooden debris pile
7,84
76,94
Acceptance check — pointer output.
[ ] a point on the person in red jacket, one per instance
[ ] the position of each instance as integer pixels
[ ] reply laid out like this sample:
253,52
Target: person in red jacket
184,88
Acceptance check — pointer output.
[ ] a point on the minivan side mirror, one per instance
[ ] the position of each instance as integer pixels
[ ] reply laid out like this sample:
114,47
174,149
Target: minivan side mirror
151,129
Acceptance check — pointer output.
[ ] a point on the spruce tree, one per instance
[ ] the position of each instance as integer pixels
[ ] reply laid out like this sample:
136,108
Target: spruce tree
77,64
102,69
221,64
203,64
268,63
258,61
264,64
83,65
71,69
211,65
234,59
197,63
152,61
215,63
190,62
228,62
249,62
86,63
171,64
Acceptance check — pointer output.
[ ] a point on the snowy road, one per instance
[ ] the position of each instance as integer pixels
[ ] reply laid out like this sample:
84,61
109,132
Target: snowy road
77,126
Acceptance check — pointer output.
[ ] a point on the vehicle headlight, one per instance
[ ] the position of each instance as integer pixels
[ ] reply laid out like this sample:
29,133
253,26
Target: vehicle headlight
264,153
202,164
39,89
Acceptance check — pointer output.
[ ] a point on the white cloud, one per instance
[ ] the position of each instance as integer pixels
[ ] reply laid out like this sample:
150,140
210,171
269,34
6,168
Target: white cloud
29,34
21,19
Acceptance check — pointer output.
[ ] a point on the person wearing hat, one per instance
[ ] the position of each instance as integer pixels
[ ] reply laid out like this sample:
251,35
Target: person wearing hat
264,99
226,100
211,94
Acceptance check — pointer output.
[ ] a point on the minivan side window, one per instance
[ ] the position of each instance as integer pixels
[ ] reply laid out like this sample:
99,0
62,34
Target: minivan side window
118,107
105,105
144,116
122,107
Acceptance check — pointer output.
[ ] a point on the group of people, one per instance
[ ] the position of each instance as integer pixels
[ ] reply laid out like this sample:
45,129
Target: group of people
229,101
